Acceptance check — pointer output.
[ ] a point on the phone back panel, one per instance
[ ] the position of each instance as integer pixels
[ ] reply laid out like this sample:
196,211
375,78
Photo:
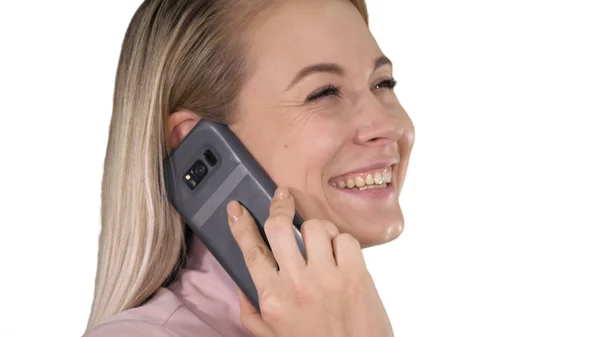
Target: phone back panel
236,176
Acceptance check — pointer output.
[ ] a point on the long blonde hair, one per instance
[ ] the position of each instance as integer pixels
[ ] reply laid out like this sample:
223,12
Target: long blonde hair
176,54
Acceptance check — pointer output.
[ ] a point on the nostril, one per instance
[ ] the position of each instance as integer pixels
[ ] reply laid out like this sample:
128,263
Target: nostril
378,140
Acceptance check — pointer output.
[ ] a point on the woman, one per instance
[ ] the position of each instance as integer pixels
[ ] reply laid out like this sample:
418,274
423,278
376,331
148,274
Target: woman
306,88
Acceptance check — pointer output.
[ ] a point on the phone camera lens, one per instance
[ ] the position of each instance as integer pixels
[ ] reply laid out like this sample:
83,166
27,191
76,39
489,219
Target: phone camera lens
195,174
199,170
210,157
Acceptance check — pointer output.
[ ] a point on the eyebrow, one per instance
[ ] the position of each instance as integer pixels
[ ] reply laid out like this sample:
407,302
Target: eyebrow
333,68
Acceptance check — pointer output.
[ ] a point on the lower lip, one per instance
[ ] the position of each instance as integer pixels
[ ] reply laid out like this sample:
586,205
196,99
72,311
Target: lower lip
371,193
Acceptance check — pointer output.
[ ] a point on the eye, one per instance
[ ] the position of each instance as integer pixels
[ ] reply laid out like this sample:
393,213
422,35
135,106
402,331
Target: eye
325,91
389,83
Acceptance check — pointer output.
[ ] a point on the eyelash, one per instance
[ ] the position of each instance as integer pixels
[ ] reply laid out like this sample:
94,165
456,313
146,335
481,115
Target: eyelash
331,89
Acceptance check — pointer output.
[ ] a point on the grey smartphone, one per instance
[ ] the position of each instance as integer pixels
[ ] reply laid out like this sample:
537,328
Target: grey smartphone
209,168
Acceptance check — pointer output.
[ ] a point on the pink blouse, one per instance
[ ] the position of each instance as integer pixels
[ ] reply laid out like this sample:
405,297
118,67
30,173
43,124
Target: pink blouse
202,302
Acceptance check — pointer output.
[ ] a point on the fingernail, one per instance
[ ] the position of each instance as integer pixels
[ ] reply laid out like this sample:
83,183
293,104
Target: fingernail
281,193
234,209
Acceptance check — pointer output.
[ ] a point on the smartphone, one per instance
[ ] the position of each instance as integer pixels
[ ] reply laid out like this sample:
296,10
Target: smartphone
209,168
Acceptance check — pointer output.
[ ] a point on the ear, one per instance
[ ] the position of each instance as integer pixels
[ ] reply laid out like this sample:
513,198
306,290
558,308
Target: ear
180,123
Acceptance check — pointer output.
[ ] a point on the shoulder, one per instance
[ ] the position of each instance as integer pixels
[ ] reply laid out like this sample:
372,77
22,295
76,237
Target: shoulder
164,315
146,320
128,328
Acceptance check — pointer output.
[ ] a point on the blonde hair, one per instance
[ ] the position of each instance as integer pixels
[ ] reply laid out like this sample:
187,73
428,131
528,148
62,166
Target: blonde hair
176,54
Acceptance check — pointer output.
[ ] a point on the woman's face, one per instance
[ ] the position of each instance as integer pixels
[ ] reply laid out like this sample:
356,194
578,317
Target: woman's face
319,115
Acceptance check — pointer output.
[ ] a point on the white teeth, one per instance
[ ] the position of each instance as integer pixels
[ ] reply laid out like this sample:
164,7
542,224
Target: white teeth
370,187
378,179
387,176
350,183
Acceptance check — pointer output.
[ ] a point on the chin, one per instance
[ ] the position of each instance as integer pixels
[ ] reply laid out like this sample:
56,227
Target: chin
375,238
372,220
373,230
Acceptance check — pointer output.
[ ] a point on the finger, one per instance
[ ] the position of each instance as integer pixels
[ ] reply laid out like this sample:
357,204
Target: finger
259,259
251,319
348,252
280,232
318,236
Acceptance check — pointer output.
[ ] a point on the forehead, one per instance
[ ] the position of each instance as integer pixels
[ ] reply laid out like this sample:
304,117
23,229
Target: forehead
299,33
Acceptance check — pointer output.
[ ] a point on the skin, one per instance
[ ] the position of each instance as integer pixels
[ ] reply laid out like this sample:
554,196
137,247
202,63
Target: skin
303,145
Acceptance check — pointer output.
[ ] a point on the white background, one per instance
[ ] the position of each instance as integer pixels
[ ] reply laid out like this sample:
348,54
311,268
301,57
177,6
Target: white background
502,198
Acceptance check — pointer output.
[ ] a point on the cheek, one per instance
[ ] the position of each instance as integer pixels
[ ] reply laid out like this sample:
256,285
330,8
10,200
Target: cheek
303,160
295,145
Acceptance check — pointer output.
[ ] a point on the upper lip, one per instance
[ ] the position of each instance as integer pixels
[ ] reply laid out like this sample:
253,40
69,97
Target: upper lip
375,164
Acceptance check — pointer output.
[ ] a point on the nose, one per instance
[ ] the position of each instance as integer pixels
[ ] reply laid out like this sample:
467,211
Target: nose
380,123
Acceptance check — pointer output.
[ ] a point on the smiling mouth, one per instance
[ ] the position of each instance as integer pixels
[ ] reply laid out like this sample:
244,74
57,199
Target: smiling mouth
367,180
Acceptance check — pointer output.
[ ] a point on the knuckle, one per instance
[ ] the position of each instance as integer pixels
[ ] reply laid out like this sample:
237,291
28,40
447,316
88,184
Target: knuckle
270,305
254,255
277,206
276,221
331,228
346,240
312,226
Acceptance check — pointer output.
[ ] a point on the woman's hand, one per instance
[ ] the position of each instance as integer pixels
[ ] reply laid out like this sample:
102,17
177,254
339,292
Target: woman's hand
330,294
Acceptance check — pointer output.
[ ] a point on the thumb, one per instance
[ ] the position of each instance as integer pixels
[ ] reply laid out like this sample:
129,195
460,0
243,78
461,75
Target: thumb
251,319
